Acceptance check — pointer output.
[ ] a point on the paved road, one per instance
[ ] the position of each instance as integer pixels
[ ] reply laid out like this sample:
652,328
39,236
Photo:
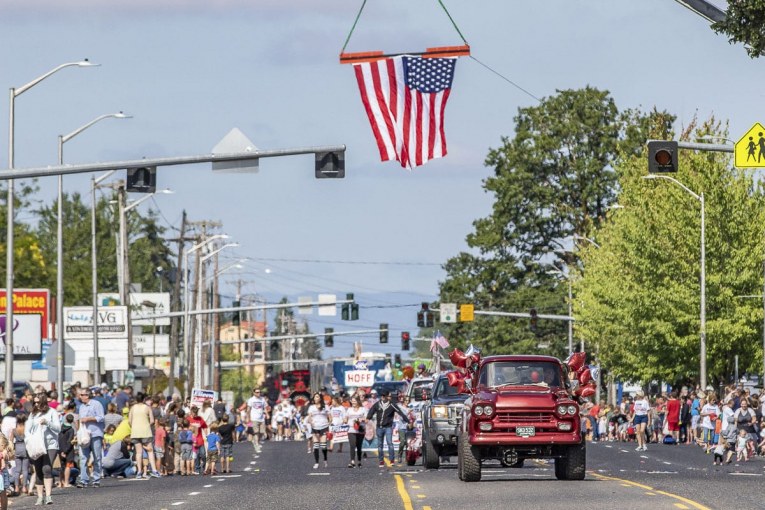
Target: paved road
664,477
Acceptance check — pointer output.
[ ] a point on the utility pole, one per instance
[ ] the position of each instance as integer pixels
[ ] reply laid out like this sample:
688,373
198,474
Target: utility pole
214,344
125,265
176,306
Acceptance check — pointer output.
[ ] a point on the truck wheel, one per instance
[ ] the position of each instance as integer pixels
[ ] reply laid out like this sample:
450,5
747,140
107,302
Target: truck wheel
459,463
470,458
560,469
576,462
430,458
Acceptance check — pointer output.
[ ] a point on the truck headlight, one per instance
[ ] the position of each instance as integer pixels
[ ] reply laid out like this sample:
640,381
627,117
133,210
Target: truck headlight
439,412
561,410
572,410
478,411
487,410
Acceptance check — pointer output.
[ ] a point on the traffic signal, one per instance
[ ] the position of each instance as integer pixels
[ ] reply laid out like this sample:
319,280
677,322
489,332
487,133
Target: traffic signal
329,339
354,312
330,165
141,180
383,333
533,320
345,312
429,319
662,156
235,320
405,338
420,319
349,311
397,358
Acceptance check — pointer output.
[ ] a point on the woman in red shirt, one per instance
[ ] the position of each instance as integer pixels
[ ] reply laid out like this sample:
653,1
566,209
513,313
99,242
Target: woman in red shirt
673,415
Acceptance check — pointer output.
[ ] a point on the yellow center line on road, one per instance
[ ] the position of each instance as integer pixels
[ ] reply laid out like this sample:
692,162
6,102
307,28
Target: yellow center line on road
680,505
402,493
693,504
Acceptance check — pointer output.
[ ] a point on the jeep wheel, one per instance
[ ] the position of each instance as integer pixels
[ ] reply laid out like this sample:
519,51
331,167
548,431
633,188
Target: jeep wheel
574,465
459,461
430,458
470,458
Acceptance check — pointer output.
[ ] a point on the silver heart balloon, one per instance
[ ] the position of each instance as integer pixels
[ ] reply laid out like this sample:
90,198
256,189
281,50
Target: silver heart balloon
472,350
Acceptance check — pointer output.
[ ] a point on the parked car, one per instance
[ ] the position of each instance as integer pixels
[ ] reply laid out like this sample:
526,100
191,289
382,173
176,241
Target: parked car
440,415
521,409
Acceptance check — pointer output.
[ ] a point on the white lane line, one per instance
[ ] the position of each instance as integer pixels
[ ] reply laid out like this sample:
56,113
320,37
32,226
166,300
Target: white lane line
208,486
247,468
624,451
667,463
746,474
177,503
253,462
318,474
220,480
643,456
609,446
494,471
228,476
194,493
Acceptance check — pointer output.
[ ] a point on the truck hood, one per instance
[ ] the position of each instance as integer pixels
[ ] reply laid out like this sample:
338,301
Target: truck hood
451,399
519,397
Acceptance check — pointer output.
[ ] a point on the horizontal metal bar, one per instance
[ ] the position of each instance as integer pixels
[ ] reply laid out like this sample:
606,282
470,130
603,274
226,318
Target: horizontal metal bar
26,173
235,309
229,365
294,337
712,147
527,316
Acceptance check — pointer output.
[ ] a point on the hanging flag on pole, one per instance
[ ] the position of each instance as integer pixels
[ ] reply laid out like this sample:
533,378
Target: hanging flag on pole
405,99
438,341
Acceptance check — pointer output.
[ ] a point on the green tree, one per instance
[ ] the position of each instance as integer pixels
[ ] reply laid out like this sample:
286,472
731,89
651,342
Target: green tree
30,267
744,23
639,296
553,180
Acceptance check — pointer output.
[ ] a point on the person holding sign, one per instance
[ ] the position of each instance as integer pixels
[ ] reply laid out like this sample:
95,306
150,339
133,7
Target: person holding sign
356,418
338,421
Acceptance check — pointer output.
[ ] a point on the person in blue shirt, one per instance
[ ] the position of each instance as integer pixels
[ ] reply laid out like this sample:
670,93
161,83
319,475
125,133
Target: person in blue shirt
695,416
213,449
92,418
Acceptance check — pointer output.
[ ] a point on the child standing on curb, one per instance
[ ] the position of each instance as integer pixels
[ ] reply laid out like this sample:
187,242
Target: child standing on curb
213,450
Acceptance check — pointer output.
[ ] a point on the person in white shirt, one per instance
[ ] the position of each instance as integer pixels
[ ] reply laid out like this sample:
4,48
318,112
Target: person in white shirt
257,410
640,419
318,418
356,418
709,414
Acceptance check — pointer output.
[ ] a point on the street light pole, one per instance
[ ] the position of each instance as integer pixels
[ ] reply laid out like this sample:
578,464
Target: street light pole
13,94
703,278
60,365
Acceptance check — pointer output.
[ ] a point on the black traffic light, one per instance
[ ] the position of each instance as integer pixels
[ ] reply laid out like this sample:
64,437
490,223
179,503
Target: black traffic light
383,333
429,319
420,319
329,339
397,360
533,320
354,312
662,156
141,180
405,338
330,165
235,320
345,312
349,311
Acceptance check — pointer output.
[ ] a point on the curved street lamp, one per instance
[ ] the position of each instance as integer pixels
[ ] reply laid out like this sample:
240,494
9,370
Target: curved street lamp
703,313
14,92
62,139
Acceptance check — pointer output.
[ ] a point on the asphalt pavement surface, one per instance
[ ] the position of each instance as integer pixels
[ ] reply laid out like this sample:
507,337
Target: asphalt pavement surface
282,476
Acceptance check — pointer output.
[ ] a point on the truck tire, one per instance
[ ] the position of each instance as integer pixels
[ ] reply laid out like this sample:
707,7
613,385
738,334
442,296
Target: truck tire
470,457
430,457
459,463
573,465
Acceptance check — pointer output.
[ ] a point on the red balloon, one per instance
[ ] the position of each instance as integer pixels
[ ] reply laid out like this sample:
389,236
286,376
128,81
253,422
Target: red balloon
585,376
455,378
458,358
587,391
576,361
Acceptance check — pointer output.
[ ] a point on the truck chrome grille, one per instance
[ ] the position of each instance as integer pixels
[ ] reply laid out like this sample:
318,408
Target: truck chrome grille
509,417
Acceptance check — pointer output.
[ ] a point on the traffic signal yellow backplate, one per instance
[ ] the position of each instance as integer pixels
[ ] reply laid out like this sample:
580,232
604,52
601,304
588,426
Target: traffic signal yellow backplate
749,151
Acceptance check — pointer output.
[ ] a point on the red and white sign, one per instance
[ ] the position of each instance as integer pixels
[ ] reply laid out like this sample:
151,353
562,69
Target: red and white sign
363,378
29,301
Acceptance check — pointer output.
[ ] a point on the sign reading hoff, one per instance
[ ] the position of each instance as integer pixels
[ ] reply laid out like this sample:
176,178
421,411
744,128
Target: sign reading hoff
34,301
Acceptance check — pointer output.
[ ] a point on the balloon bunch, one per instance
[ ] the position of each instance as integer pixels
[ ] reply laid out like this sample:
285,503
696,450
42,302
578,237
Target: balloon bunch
465,378
584,385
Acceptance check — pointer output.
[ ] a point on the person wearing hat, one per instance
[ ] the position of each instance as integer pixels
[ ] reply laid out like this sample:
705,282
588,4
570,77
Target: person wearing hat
382,412
422,370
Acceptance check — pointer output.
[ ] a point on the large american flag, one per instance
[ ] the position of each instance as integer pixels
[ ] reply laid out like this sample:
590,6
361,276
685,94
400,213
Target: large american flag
405,98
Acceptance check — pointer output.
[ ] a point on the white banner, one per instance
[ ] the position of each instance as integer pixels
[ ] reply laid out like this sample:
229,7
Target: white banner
112,350
27,337
327,305
144,345
363,378
78,322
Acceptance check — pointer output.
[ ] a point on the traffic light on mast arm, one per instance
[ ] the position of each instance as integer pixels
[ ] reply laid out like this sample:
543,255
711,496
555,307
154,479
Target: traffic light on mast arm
383,333
533,320
662,156
235,320
405,339
329,340
349,311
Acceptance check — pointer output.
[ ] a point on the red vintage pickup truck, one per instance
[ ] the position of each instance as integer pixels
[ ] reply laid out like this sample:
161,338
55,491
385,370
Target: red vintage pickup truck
521,407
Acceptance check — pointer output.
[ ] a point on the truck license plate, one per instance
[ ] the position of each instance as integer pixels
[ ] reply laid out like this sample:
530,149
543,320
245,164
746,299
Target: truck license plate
525,431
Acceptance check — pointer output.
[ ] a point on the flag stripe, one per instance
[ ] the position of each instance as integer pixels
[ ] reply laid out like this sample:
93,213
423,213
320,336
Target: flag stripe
384,113
368,107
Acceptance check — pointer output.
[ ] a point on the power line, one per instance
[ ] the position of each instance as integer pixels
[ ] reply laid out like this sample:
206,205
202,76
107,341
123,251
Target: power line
357,262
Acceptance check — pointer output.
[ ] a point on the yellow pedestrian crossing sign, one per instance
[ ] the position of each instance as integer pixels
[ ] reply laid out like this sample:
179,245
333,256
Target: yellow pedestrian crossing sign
749,151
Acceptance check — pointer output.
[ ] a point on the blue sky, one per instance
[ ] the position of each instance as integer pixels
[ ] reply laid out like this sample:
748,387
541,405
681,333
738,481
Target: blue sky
189,71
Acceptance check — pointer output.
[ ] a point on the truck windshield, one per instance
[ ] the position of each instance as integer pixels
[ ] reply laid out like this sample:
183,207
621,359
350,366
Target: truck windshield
444,389
417,390
520,373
